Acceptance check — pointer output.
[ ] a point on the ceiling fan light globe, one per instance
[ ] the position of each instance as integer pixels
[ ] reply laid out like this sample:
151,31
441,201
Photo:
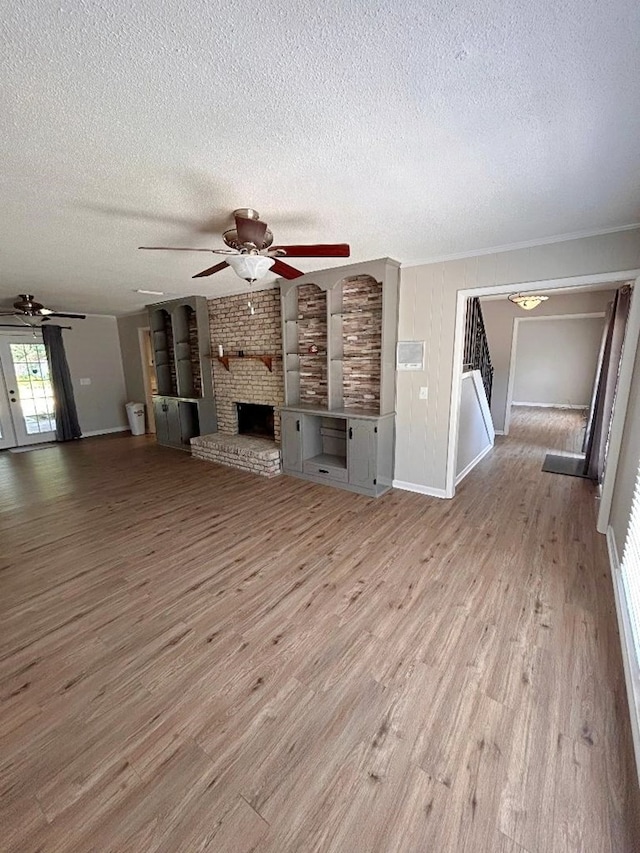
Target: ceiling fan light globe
250,267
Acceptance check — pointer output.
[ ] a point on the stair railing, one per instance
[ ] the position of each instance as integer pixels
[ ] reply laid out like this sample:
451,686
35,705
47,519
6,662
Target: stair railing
476,348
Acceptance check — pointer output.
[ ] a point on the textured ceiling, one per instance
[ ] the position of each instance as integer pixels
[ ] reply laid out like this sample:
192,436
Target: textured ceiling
408,128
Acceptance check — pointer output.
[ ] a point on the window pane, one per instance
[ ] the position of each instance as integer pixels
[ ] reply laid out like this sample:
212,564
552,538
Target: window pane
34,387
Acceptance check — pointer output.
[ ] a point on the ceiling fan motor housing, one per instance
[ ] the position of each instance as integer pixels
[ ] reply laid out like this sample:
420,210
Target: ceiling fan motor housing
27,304
230,237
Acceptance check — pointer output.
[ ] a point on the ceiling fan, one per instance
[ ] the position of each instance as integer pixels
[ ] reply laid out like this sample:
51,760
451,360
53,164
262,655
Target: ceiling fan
250,252
26,306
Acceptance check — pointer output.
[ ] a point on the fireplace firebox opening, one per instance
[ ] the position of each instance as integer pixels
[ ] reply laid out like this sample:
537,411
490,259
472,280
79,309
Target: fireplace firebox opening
256,420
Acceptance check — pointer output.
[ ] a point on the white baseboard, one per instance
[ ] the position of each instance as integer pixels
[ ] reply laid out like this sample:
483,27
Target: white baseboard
552,405
420,489
629,659
92,432
460,477
499,432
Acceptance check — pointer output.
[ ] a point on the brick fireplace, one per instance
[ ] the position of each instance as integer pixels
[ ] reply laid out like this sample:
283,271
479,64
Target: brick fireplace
247,379
249,373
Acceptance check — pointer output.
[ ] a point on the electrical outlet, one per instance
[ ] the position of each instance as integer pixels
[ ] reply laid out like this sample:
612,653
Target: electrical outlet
424,392
85,382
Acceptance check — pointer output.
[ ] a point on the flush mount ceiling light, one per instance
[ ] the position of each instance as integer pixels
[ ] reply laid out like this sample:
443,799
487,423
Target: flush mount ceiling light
250,267
528,301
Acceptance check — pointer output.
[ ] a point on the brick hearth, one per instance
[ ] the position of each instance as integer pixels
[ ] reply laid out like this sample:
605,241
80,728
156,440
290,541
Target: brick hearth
257,455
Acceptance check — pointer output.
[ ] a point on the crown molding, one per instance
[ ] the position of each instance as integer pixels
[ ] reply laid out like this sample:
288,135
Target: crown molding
525,244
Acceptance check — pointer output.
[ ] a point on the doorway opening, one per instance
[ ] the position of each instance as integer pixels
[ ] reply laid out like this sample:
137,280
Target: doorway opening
586,283
149,377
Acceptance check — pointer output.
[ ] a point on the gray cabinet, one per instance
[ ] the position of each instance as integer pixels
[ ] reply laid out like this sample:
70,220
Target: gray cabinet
178,420
362,453
354,453
185,405
291,438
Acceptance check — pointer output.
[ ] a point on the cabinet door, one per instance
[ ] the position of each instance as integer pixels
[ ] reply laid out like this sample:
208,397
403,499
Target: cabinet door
188,422
173,422
162,427
361,452
291,432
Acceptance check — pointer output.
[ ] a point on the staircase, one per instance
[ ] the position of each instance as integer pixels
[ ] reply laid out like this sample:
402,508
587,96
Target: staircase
476,348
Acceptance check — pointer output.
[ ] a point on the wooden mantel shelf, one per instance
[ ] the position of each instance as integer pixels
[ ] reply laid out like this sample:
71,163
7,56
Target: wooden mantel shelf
267,360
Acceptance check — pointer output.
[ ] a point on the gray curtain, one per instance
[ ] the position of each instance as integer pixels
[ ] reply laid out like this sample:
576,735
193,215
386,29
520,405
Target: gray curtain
67,426
604,395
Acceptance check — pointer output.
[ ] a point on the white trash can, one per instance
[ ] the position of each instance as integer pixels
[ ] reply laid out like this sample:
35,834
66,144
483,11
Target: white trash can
135,414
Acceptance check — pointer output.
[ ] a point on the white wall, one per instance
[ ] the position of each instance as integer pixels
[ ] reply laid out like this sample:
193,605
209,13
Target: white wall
556,360
475,435
499,315
428,297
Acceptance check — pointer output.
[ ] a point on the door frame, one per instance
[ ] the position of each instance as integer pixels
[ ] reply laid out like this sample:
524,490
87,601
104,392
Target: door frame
143,332
624,379
514,351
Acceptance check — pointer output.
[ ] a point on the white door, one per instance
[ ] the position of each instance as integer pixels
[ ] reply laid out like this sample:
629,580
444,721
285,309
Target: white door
7,435
26,392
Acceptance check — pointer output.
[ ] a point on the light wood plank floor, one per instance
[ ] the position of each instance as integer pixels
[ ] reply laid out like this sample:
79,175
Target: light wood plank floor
197,659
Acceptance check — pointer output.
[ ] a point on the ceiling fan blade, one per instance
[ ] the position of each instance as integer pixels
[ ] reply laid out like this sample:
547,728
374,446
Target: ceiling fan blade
211,270
173,249
284,270
250,231
60,314
318,250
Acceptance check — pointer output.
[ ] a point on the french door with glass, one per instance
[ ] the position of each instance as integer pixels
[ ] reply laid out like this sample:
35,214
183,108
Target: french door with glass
26,394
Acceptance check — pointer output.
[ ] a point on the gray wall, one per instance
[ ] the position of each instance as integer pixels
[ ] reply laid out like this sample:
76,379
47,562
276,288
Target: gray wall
556,361
427,312
93,352
131,361
499,315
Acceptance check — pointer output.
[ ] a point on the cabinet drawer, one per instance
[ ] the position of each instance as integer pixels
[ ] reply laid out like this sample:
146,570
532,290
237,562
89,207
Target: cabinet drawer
331,472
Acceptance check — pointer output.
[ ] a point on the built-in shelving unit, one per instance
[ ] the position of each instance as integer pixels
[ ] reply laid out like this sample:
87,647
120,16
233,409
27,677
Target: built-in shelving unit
339,335
184,406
